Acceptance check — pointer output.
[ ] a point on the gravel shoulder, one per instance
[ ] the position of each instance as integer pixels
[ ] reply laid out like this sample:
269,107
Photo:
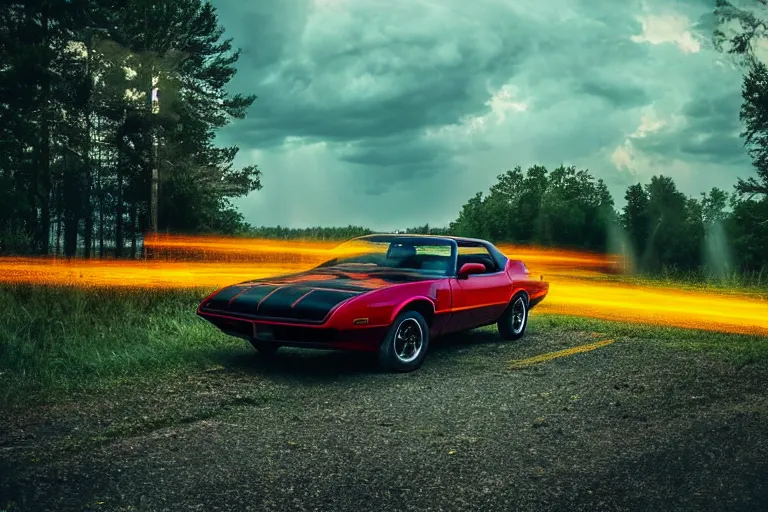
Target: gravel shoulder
632,426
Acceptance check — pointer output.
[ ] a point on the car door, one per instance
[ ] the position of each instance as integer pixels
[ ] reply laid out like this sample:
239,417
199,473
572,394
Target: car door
480,299
463,299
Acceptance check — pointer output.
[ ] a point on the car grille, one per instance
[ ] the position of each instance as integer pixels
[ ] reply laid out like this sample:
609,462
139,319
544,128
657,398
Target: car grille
296,333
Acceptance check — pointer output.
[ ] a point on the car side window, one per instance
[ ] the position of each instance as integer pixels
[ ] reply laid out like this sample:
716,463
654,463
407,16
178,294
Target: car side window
477,254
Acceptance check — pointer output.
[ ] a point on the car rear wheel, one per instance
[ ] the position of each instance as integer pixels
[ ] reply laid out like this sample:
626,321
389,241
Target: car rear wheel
406,343
264,348
514,320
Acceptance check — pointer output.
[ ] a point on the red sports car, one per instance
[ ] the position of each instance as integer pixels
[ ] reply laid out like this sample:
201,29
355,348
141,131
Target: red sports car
389,294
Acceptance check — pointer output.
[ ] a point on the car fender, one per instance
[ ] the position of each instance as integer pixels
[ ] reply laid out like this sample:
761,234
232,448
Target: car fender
519,289
209,297
417,298
518,274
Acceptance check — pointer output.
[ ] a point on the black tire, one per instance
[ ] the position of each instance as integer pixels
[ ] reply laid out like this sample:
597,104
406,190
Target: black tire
265,348
406,344
514,320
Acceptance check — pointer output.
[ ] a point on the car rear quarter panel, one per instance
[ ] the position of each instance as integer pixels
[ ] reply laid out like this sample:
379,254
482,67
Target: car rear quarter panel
522,280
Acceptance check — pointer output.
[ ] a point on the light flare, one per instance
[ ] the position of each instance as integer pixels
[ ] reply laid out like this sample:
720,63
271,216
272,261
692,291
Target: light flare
578,280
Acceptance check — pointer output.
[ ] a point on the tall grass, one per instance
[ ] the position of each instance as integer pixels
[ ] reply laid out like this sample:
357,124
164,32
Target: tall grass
753,282
57,339
63,339
746,279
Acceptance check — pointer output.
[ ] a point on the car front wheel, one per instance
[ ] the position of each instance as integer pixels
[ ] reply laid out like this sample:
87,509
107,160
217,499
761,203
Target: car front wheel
514,320
406,343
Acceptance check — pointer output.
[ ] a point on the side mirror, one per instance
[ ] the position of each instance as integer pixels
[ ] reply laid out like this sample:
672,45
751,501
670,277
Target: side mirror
468,269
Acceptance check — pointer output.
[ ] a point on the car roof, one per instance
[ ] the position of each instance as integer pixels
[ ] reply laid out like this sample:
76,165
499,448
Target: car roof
458,239
496,254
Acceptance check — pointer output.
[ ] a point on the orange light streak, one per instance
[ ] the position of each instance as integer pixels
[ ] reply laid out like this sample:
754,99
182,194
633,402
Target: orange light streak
548,259
577,279
723,312
241,246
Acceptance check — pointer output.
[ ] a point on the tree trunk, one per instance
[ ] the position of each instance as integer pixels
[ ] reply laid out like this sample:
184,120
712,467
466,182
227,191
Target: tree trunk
119,213
44,171
101,226
133,230
100,187
87,209
44,236
153,198
58,222
155,181
120,162
70,212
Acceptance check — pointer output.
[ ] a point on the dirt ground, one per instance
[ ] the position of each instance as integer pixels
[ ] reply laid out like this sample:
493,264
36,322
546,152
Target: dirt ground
629,426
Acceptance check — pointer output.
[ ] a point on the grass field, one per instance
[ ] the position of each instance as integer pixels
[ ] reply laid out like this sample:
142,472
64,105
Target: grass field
62,340
120,400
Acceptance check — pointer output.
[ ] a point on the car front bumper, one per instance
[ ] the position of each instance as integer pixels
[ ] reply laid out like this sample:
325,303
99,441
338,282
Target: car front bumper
365,339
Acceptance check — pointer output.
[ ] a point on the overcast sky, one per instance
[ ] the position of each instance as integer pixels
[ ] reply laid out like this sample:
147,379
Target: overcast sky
392,113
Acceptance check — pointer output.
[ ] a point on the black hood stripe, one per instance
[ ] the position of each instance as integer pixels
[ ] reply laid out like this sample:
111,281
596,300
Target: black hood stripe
248,301
244,290
329,284
265,297
318,304
283,302
278,303
222,299
301,298
348,278
307,296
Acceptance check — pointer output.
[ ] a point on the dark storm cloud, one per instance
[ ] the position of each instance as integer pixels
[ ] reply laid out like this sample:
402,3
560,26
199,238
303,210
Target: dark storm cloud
367,103
367,78
387,161
725,148
416,105
714,128
374,79
389,152
722,110
263,31
710,132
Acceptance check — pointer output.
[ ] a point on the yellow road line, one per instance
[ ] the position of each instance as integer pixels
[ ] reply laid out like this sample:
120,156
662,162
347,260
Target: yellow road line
560,353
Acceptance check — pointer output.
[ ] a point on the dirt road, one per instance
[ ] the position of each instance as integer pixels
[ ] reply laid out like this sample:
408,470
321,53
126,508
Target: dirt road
630,425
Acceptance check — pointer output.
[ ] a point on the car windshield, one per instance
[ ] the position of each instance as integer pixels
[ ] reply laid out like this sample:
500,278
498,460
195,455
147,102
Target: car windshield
432,257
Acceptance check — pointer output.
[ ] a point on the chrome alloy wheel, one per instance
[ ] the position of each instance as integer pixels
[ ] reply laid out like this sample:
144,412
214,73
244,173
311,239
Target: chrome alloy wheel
409,340
518,316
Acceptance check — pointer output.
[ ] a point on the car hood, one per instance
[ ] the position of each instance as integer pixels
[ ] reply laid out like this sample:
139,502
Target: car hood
307,296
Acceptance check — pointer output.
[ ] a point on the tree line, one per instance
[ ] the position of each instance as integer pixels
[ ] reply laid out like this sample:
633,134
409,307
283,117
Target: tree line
108,111
310,233
658,229
328,233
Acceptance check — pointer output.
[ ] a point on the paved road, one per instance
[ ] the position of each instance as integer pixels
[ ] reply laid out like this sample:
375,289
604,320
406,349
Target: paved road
630,425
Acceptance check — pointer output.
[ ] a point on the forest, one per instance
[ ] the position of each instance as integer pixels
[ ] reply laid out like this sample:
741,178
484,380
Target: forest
107,124
109,113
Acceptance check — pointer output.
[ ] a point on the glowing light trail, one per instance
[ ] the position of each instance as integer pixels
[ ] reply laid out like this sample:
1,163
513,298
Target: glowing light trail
211,262
724,312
